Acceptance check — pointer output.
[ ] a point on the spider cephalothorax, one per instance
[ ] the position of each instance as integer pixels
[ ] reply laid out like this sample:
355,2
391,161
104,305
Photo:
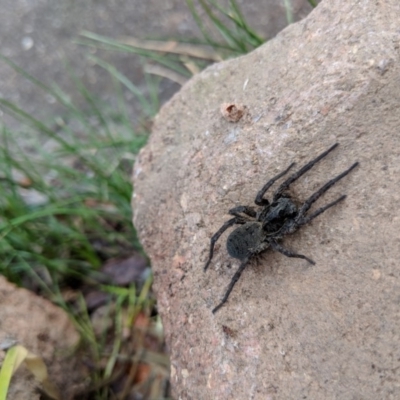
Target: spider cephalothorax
264,227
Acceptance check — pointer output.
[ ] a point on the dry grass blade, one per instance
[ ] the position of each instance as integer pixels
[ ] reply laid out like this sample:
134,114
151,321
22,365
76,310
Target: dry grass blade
173,47
165,73
190,65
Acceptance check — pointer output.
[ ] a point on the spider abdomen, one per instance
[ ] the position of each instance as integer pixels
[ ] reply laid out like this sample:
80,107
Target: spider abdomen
244,240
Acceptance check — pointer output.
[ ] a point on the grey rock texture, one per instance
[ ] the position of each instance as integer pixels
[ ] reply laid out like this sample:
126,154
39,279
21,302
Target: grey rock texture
288,330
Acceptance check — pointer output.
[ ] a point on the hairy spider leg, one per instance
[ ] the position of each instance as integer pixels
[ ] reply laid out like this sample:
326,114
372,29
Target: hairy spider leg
288,253
259,198
307,219
217,234
236,211
285,185
234,279
301,219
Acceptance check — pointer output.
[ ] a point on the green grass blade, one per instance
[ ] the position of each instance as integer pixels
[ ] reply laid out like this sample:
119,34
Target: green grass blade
7,370
146,106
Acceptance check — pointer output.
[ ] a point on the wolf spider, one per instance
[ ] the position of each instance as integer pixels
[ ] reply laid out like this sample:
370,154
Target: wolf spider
264,227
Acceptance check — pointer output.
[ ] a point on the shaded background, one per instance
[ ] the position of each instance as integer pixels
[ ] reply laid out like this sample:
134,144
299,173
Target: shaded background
41,37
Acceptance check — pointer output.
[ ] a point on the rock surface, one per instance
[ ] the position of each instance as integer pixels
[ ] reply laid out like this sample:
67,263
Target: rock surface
288,330
43,329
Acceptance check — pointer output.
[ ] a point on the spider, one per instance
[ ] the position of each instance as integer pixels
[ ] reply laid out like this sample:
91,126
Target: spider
265,227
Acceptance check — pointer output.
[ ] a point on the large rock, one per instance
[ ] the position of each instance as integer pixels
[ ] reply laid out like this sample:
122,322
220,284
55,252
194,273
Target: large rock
289,330
44,330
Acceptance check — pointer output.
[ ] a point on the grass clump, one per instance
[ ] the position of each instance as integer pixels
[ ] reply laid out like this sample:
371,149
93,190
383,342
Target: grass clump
65,212
66,193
